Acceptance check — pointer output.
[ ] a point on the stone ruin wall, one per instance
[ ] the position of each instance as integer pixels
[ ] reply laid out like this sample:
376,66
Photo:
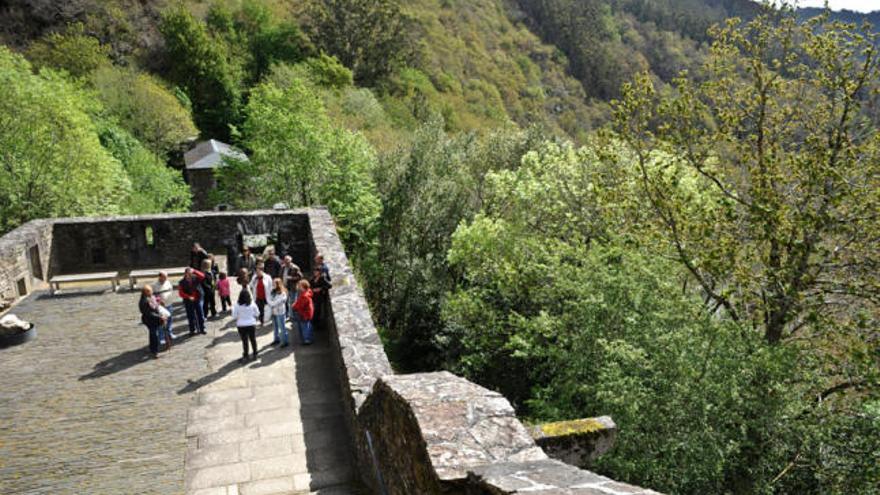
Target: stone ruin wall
24,260
425,433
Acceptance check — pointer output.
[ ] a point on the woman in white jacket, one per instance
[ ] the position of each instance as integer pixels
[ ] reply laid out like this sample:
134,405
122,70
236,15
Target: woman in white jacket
261,285
278,305
245,313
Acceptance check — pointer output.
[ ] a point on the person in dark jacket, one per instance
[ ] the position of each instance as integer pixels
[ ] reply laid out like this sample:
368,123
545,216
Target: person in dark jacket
272,265
320,264
209,289
190,290
197,255
151,317
321,296
247,261
290,275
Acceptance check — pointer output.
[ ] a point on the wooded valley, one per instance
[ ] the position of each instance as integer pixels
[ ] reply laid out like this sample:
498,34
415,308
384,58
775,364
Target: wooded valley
665,211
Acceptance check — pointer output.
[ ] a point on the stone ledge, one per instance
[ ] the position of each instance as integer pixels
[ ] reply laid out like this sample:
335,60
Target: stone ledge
577,442
544,478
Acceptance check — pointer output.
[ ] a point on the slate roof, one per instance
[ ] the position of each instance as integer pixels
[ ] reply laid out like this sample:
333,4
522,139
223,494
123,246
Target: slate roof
209,154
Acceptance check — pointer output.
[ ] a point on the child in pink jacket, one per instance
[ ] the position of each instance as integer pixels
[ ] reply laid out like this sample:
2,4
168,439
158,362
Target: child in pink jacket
223,289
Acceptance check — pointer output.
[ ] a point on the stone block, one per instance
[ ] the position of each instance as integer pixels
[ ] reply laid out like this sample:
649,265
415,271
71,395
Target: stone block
577,442
228,436
218,476
274,486
213,456
267,447
278,466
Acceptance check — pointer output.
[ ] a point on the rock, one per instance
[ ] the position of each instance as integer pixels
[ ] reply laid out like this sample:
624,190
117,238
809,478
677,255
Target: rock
12,325
577,442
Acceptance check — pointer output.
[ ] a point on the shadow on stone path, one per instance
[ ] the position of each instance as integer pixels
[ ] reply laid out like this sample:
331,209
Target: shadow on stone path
82,408
274,425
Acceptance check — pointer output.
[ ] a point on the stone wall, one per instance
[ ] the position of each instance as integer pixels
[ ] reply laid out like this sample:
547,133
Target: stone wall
431,433
24,260
83,245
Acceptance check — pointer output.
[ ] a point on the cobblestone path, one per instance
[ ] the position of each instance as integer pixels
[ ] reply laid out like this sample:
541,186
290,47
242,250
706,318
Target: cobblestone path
83,411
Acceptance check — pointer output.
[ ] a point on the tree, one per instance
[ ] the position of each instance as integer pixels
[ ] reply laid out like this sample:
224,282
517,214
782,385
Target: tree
782,239
299,158
565,306
777,135
255,39
145,108
156,188
368,36
427,189
73,51
51,160
199,65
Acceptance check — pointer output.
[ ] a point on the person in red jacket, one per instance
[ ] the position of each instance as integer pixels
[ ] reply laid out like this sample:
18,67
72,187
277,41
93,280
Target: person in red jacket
305,309
190,290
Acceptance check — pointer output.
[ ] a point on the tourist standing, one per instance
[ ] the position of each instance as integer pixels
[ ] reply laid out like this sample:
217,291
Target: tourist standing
223,290
215,268
164,291
305,310
290,276
151,317
277,305
261,285
209,289
320,264
245,315
320,292
272,265
196,256
190,290
247,261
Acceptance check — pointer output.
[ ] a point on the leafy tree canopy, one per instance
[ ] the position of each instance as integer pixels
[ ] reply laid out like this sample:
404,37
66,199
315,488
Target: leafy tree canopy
369,37
53,163
145,107
298,157
72,50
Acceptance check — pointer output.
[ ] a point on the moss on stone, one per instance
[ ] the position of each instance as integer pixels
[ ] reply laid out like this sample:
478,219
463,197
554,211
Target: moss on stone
573,427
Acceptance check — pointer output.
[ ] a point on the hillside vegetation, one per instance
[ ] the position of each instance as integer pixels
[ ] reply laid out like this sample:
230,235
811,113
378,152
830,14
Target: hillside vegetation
661,210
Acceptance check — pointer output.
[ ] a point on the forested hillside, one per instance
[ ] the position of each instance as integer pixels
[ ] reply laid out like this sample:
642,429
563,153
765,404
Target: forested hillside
660,210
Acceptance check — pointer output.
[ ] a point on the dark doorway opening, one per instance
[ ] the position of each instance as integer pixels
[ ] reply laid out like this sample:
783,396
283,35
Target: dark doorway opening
36,264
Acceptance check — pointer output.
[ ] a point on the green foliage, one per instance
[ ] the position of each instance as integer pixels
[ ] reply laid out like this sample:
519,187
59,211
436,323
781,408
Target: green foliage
201,67
145,108
370,37
564,307
427,188
325,70
789,168
485,70
73,51
155,187
255,39
53,163
300,159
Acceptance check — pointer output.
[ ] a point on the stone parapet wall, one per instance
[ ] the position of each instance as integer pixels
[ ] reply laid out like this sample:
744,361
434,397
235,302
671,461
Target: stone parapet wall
431,433
24,260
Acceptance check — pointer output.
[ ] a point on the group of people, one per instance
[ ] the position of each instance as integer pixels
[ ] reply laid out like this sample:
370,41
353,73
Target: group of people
269,282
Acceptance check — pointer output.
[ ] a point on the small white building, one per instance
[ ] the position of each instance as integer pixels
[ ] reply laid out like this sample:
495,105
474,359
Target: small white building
200,162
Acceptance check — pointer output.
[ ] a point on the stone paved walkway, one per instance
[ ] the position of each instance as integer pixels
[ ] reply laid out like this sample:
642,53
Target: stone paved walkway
83,411
274,425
